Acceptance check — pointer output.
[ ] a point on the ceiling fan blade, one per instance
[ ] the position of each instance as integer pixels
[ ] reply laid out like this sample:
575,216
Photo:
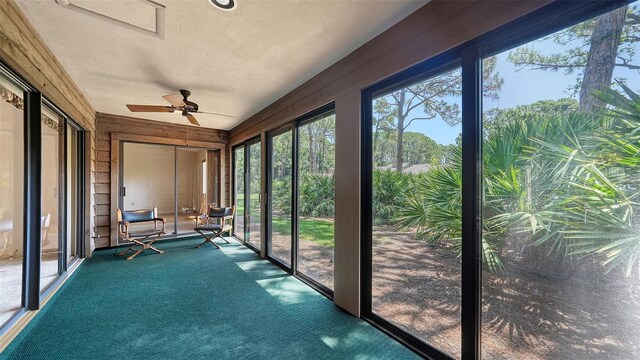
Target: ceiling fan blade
149,108
212,113
192,120
174,99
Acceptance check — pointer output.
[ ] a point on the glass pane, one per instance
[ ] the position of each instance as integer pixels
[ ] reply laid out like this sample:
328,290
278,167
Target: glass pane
281,196
417,204
561,157
238,181
52,133
149,181
316,194
193,200
11,199
72,192
254,171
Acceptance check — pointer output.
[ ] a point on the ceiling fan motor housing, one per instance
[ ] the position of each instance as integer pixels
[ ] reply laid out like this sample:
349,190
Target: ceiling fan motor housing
190,106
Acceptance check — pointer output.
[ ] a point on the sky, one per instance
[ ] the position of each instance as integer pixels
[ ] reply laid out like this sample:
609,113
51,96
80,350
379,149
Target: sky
520,87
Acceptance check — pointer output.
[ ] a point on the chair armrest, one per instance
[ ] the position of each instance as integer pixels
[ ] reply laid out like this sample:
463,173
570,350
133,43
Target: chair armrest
123,228
155,223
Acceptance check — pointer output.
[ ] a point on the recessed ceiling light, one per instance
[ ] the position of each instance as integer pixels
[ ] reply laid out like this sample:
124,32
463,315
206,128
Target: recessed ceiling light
227,5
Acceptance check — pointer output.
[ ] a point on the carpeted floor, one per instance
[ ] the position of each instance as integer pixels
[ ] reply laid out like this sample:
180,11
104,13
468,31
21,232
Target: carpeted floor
194,304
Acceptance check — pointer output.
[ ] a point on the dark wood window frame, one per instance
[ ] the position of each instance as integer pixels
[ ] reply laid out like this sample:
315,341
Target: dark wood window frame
32,297
549,19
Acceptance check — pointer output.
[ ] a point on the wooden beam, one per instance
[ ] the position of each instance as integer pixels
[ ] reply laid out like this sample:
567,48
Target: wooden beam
108,123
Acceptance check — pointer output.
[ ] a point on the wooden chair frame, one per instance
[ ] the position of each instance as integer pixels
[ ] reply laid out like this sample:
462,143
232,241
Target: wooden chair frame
144,240
217,225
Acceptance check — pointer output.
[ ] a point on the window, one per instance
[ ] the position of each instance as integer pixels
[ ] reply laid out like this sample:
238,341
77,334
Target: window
281,197
239,191
51,265
416,234
146,183
316,198
74,191
560,164
301,187
54,220
254,197
11,198
181,195
247,186
524,229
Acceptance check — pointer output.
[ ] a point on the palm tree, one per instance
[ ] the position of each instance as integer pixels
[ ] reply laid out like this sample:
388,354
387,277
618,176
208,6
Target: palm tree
567,184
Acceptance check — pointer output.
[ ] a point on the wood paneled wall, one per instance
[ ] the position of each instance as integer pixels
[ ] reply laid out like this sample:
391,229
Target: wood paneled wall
24,51
110,130
433,29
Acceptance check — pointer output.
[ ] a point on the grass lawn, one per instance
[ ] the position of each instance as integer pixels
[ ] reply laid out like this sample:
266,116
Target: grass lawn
319,231
255,204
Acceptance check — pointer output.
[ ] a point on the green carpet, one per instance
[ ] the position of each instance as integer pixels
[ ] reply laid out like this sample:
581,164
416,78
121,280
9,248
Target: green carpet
195,304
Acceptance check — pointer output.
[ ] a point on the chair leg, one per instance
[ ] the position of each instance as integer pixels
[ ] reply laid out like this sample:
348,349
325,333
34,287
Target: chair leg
135,254
143,246
124,252
208,240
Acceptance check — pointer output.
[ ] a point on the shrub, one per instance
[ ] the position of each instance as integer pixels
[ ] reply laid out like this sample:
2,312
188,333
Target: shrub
317,195
390,190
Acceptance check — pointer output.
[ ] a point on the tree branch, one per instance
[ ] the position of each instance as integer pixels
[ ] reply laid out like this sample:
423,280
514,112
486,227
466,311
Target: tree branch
625,63
418,118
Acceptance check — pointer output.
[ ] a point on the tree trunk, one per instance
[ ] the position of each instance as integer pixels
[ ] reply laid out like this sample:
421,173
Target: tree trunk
376,135
601,60
312,151
400,132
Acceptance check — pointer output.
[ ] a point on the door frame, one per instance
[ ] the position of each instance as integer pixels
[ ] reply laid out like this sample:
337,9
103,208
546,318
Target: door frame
117,139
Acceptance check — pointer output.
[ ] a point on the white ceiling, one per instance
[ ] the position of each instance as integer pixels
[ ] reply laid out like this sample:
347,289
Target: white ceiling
234,62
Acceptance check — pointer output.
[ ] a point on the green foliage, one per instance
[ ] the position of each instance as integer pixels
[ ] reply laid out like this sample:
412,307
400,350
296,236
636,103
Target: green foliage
390,193
601,171
494,118
317,194
564,182
281,196
421,149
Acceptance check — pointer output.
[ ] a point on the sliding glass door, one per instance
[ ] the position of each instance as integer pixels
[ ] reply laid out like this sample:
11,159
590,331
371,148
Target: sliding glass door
280,188
11,198
316,198
301,197
74,191
239,188
52,261
55,220
253,203
247,170
193,194
180,182
148,181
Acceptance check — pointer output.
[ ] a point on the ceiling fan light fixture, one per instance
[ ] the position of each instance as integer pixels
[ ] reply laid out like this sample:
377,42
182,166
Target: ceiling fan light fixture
227,5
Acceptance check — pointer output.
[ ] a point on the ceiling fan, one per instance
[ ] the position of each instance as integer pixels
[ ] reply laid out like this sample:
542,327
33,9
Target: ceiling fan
178,102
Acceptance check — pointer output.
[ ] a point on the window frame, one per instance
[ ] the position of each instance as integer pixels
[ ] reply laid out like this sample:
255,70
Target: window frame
294,127
245,145
32,298
544,21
